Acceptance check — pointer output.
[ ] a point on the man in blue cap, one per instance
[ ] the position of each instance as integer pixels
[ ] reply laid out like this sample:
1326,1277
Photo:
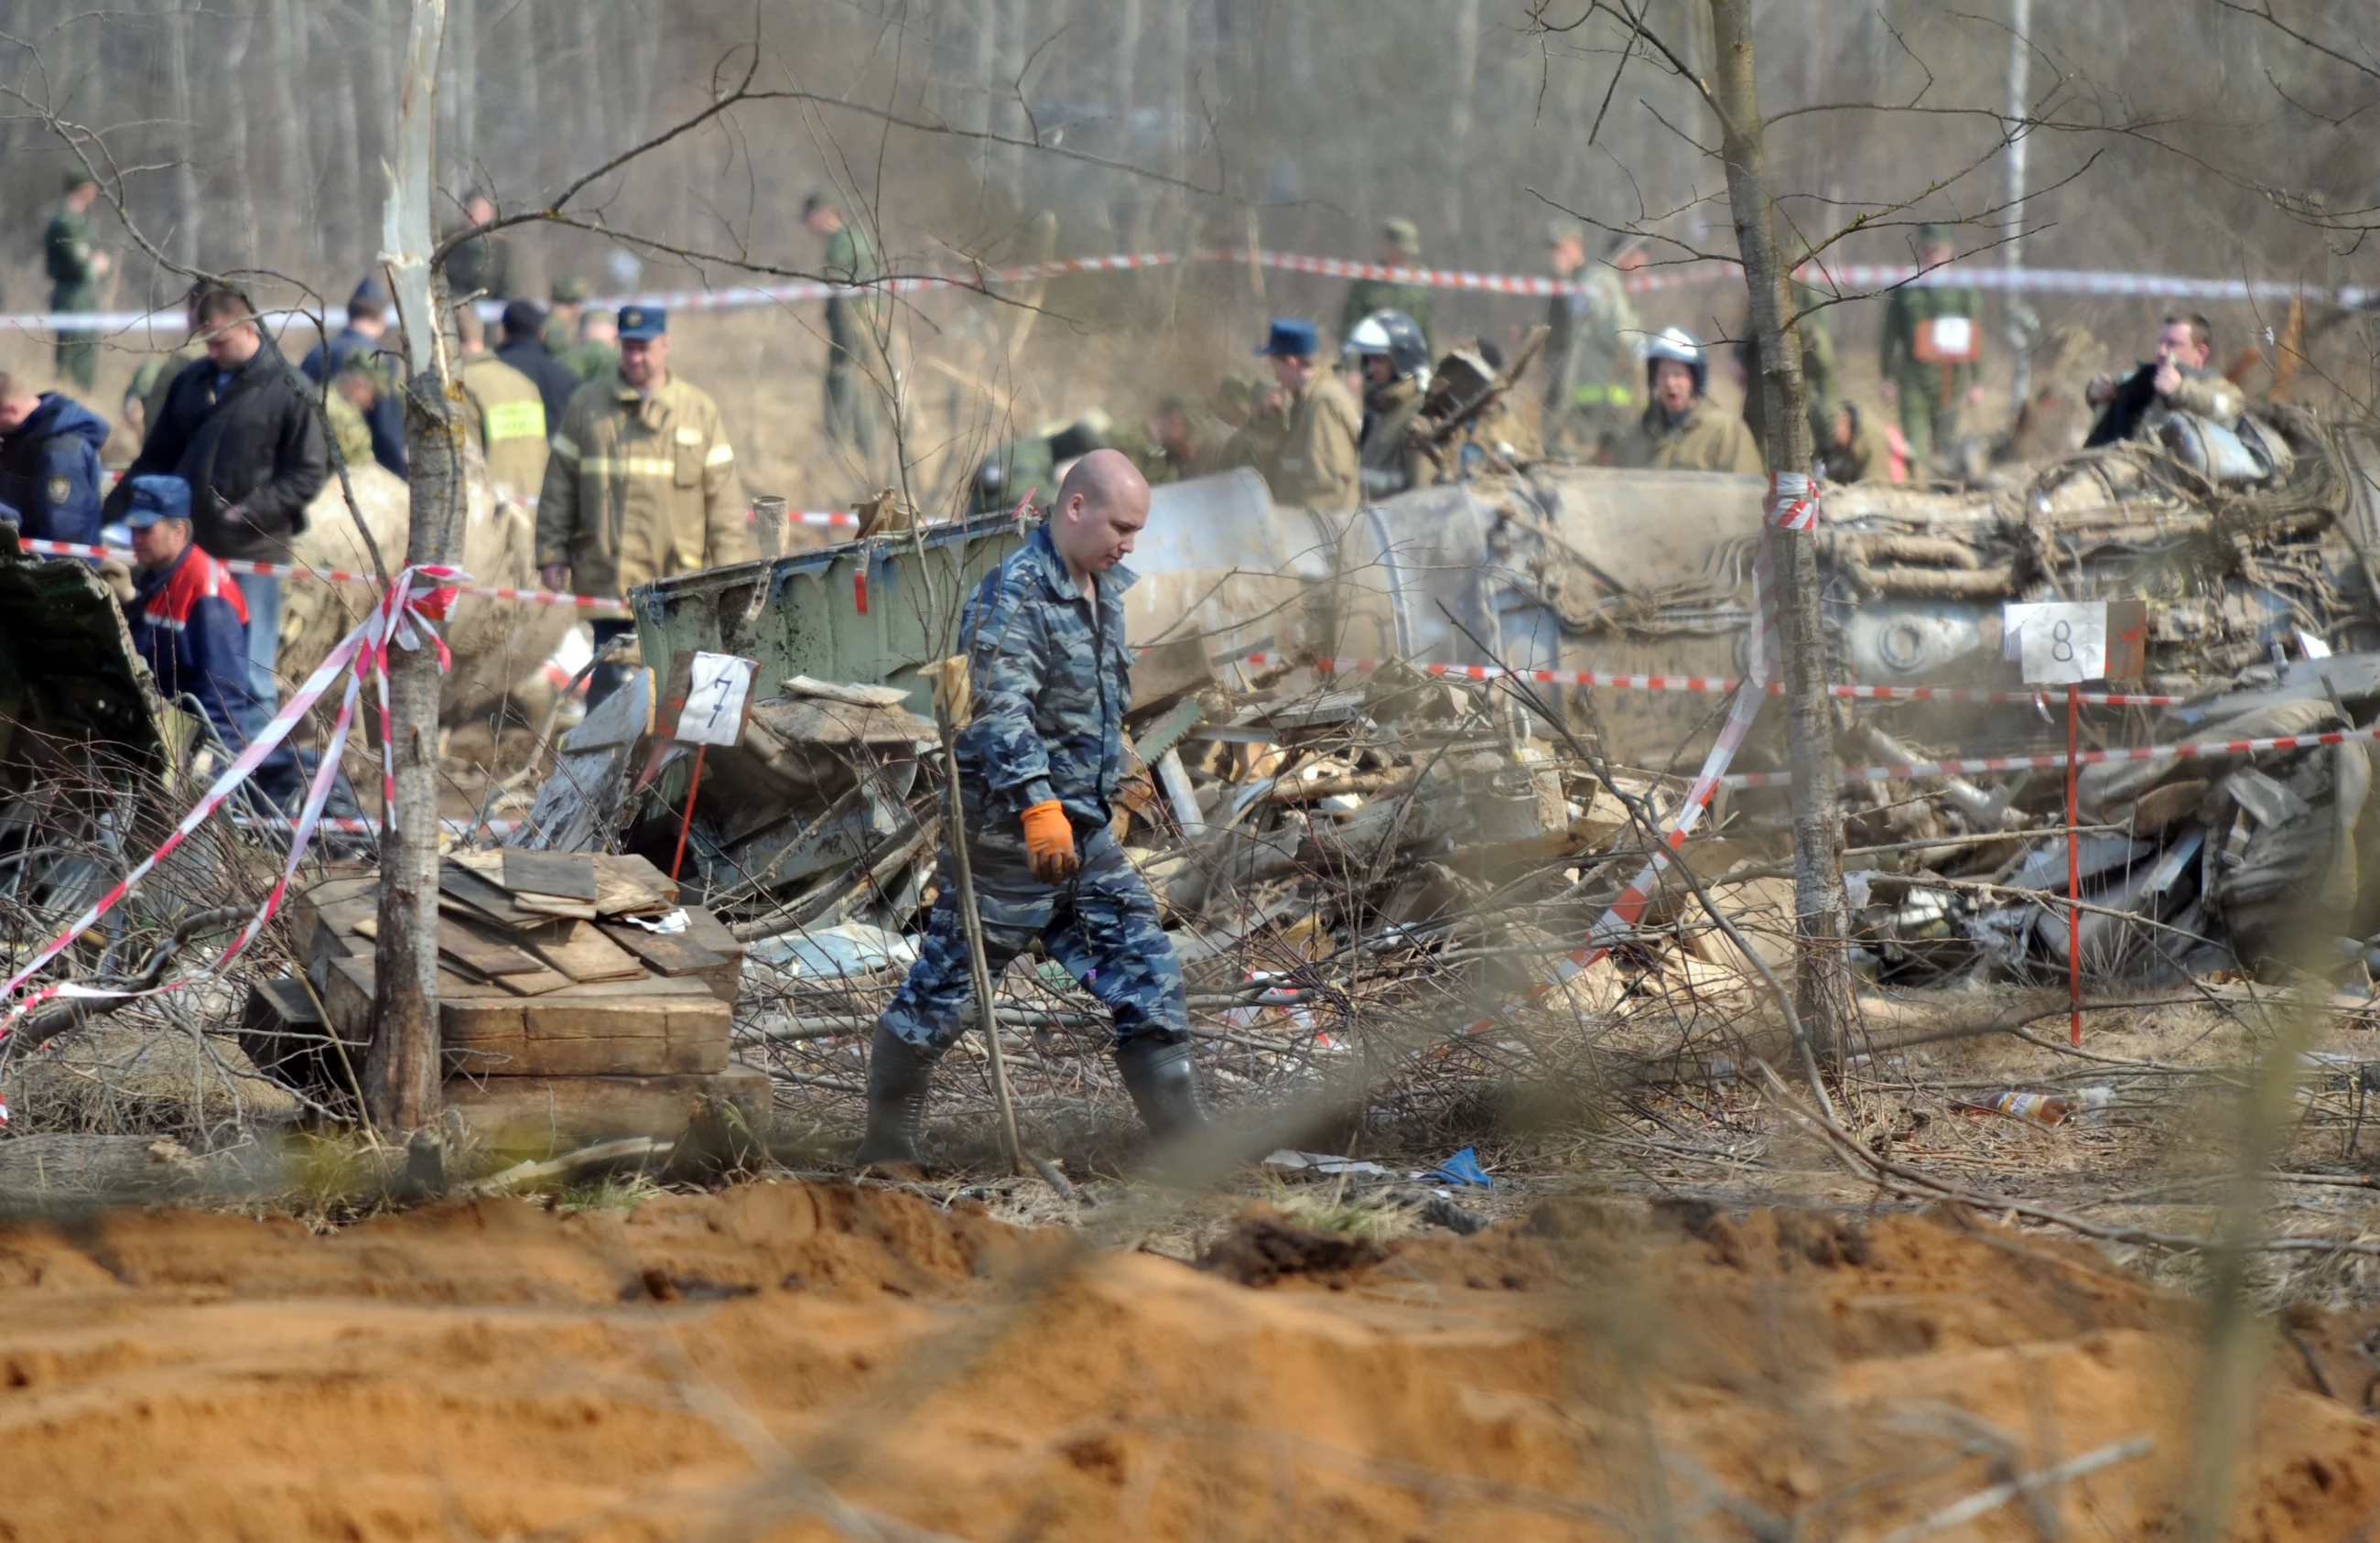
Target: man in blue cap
190,623
49,462
1317,464
640,484
357,347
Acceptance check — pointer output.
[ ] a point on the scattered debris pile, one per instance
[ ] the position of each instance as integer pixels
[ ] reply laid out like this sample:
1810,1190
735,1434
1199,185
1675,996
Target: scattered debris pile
2186,866
578,998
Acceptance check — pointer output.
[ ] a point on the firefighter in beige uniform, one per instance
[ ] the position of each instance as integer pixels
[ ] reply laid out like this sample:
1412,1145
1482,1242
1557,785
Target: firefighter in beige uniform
641,484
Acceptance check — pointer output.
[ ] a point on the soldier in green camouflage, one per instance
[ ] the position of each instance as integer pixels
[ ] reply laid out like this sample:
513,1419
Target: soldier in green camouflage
1932,354
1400,247
569,296
852,321
70,253
594,357
1595,348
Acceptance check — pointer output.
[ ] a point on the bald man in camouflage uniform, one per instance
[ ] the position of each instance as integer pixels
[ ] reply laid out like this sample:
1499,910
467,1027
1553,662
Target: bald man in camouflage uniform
1040,760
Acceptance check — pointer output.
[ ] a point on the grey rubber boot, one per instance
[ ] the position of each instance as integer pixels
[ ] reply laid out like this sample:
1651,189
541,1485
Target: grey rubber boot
899,1076
1163,1082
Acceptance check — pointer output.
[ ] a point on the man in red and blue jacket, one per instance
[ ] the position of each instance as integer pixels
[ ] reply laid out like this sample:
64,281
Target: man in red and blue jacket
190,623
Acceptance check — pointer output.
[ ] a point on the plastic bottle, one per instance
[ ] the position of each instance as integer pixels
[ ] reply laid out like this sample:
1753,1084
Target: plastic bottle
2048,1108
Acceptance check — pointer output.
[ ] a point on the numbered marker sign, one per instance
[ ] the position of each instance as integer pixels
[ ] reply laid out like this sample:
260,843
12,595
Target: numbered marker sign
2058,642
708,694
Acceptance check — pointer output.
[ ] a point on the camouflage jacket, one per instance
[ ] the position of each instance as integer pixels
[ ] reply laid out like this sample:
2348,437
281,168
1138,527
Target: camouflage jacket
1051,678
1392,458
1595,351
1911,306
70,253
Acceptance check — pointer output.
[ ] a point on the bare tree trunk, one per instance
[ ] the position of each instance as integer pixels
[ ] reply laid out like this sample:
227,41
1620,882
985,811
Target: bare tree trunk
293,160
402,1074
1823,969
185,176
239,46
1465,17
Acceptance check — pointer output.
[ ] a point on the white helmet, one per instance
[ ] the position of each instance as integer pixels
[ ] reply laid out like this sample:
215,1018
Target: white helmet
1676,342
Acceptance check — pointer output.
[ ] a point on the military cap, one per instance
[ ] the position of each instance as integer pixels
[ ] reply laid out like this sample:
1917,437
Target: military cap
642,324
1565,229
1177,402
1404,234
1932,236
569,290
75,176
157,497
1292,338
369,294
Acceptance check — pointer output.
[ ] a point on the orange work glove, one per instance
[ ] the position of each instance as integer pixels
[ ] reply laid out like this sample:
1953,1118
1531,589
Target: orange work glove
1049,843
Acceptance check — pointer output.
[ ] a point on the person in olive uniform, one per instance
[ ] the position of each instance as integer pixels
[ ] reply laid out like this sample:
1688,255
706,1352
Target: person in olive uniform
596,355
1400,247
1595,345
640,484
70,253
569,296
1315,462
1932,352
483,265
851,322
1682,430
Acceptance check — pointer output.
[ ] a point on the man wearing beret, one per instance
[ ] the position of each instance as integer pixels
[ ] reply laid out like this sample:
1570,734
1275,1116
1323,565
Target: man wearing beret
641,484
1317,463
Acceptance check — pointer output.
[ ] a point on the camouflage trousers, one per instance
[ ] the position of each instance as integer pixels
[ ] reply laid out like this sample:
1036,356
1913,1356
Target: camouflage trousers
1102,927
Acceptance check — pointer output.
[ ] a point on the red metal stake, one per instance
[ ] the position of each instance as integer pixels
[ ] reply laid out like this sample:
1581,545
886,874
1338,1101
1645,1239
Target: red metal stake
2073,876
695,781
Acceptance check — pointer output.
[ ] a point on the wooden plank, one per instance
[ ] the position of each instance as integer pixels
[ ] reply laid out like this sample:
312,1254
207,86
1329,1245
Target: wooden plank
706,931
579,950
564,875
538,1116
554,906
677,1027
628,885
483,897
683,1030
672,953
460,942
537,983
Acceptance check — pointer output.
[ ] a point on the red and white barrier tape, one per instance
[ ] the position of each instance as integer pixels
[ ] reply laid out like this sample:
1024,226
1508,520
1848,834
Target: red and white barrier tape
338,576
1842,276
1974,765
1716,684
403,617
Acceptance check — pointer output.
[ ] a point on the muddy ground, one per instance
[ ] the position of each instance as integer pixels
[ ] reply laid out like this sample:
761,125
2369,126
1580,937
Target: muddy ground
788,1359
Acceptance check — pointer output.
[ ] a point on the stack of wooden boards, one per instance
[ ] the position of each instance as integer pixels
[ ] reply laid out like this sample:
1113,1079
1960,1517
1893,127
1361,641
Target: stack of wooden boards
576,998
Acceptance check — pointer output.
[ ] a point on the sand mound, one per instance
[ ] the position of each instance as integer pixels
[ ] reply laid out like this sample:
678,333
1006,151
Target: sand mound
788,1361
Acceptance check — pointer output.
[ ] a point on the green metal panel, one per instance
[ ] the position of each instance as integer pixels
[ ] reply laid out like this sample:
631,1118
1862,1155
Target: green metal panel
870,610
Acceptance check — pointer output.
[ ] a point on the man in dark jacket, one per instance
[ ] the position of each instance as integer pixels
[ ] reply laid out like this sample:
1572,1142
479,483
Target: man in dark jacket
187,621
239,427
49,462
357,347
524,348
